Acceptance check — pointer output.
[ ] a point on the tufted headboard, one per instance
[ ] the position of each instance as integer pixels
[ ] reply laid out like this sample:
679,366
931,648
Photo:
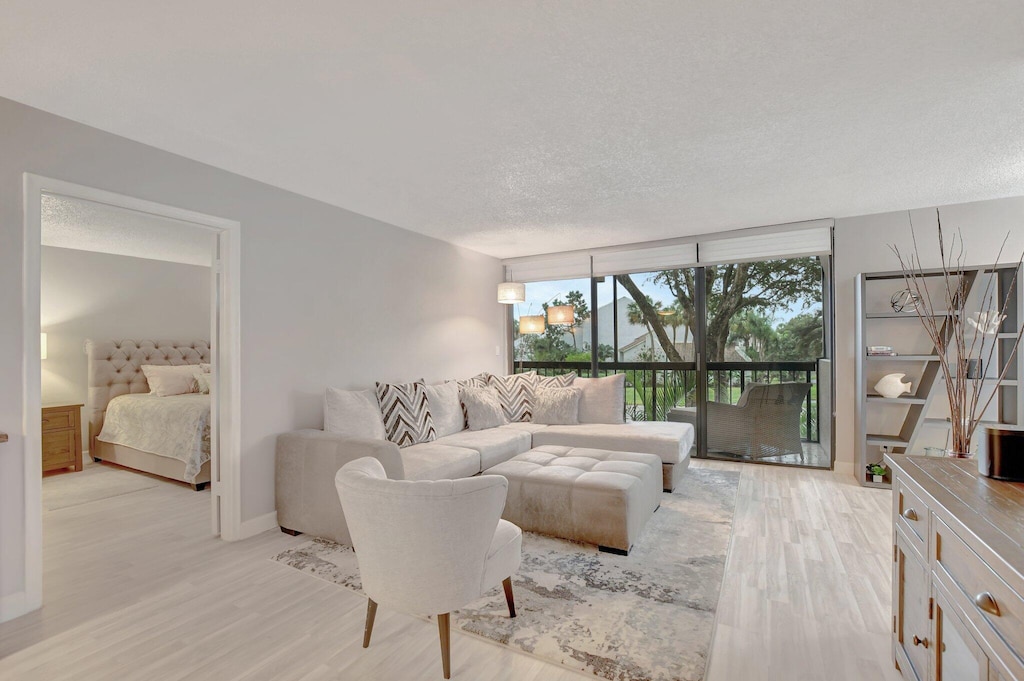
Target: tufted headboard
115,368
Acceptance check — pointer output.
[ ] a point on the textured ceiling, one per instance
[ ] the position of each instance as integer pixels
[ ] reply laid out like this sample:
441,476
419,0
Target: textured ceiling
515,128
88,226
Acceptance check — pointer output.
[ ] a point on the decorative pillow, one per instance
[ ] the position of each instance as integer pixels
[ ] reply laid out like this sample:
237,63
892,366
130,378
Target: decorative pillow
445,408
557,406
559,381
603,399
206,367
483,407
167,380
202,381
515,393
353,413
478,381
406,413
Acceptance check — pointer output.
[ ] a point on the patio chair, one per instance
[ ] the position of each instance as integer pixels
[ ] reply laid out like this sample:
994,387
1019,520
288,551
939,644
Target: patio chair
764,422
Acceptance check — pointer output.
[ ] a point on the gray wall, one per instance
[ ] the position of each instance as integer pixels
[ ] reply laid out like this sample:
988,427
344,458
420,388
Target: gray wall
99,296
862,245
328,296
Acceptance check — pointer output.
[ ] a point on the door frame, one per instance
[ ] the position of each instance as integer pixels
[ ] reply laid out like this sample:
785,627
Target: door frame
226,345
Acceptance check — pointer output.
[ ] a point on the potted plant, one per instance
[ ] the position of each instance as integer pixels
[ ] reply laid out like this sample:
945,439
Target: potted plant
959,334
877,472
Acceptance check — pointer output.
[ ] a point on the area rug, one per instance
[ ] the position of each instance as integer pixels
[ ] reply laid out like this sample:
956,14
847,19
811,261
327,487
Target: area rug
648,616
93,483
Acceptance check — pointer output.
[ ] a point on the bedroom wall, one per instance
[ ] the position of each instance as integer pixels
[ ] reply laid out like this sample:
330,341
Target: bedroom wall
328,297
85,295
862,245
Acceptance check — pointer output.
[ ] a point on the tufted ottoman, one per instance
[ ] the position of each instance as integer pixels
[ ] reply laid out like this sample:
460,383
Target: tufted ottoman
587,495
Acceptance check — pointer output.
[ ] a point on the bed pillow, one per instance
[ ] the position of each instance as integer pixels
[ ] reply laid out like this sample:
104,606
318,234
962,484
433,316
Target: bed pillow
406,413
206,367
202,381
559,381
603,399
483,407
165,380
557,406
515,393
353,413
445,408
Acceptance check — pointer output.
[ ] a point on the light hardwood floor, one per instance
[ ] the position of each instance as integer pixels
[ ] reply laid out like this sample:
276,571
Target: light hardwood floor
135,589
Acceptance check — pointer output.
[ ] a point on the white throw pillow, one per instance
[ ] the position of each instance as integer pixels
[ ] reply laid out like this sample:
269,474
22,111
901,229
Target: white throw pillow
483,408
165,380
603,399
353,413
445,408
557,406
202,381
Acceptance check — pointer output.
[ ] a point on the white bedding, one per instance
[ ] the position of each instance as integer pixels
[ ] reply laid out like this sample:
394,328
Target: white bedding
177,426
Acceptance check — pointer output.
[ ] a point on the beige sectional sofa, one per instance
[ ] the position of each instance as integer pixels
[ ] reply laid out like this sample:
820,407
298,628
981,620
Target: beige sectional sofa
307,461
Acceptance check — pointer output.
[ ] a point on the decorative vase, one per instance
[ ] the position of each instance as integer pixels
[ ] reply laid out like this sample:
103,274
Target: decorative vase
878,478
892,385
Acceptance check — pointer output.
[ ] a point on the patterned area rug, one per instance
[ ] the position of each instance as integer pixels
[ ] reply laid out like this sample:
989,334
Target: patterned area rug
648,616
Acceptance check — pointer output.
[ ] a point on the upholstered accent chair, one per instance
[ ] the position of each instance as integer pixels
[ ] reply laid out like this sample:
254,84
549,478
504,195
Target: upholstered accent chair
764,422
428,547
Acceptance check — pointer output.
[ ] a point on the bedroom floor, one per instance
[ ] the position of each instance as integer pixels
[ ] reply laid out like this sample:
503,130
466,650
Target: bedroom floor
135,588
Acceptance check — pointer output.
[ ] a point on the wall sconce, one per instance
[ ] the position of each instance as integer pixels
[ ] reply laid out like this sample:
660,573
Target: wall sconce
561,314
529,324
42,346
510,292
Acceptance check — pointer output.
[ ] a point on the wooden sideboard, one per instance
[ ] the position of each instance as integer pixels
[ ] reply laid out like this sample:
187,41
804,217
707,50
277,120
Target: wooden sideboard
958,572
62,437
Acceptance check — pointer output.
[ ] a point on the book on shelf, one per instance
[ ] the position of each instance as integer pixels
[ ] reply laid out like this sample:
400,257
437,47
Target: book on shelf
881,351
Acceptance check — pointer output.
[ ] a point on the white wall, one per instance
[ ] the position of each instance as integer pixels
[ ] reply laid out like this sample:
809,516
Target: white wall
100,296
862,245
328,296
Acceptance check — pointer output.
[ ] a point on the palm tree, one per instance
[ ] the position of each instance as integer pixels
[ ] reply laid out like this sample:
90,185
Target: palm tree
636,316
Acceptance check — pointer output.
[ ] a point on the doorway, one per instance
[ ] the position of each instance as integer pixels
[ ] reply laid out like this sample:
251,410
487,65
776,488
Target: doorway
224,351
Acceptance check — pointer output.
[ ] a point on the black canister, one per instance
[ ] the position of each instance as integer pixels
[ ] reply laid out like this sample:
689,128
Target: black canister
1003,457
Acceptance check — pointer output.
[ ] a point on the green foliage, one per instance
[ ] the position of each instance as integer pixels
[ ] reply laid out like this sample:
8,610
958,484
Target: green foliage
801,338
877,469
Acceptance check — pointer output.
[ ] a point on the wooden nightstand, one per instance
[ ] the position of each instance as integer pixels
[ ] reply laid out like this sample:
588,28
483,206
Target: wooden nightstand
62,437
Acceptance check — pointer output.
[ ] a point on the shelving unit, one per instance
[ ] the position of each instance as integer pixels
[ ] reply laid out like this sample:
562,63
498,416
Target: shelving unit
909,416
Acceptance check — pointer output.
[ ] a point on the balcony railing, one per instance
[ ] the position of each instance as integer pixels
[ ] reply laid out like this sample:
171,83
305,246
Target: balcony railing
653,388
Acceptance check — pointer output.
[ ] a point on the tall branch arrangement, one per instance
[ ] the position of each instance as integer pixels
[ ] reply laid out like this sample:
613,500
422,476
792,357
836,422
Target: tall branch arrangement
959,336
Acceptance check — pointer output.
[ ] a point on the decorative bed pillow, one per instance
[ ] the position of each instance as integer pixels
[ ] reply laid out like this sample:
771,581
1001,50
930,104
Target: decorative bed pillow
445,408
603,399
353,413
559,381
478,381
483,407
206,367
557,406
515,393
202,381
406,413
165,379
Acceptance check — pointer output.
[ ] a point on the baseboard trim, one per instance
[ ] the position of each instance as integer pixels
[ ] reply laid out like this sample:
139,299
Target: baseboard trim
15,605
254,526
844,468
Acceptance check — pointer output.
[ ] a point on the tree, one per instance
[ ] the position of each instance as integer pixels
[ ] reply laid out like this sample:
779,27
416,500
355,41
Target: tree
647,314
800,339
753,328
763,285
581,312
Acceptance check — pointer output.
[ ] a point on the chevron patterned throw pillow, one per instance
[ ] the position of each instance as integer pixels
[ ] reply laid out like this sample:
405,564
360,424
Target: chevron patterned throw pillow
515,393
406,413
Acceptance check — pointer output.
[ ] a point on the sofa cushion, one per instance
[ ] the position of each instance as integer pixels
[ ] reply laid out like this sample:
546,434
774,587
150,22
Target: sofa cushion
603,399
445,408
478,381
556,381
669,440
557,406
527,426
483,408
495,445
515,393
354,413
435,461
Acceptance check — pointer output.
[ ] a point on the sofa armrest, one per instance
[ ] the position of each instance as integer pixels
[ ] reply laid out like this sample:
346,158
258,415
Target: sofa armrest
307,461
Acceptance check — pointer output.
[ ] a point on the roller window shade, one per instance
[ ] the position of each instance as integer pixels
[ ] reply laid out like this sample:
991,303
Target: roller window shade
645,259
790,244
549,268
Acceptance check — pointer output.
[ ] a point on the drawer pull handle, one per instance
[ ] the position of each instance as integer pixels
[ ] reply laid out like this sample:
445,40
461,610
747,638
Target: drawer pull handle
910,514
985,602
921,642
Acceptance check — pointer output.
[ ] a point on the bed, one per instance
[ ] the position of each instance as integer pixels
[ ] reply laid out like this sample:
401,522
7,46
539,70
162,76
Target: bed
164,436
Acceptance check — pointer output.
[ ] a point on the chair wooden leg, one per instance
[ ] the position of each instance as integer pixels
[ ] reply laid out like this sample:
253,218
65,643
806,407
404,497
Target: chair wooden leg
371,612
508,596
445,632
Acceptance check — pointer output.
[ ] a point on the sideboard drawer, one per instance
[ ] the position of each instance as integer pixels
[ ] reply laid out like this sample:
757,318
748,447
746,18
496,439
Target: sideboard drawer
988,601
58,420
912,515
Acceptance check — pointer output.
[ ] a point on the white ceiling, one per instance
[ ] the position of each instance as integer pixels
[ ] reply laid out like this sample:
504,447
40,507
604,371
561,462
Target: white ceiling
88,226
515,128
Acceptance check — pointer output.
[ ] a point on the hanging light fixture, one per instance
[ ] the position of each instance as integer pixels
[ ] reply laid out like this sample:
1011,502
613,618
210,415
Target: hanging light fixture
510,292
561,314
530,324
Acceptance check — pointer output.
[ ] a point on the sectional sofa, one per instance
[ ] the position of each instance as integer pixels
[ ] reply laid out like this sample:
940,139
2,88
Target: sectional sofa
307,460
